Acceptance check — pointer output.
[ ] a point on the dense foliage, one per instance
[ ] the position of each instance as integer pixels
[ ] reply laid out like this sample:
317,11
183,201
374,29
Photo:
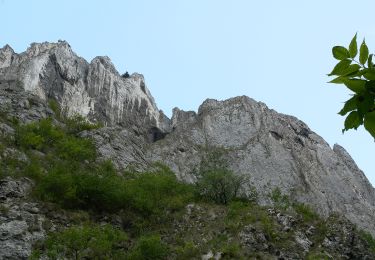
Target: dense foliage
85,242
357,73
215,181
68,173
149,248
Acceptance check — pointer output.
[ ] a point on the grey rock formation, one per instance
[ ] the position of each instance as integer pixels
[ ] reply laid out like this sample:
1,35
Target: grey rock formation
16,103
94,90
272,149
124,147
21,224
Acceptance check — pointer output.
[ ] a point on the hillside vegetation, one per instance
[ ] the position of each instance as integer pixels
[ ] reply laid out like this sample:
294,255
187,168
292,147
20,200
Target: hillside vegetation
94,211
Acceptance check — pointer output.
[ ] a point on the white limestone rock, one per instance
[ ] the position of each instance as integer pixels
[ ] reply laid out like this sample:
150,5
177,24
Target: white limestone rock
94,90
273,150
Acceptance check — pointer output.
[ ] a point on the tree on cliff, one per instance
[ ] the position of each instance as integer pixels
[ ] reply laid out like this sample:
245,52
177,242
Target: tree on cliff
357,74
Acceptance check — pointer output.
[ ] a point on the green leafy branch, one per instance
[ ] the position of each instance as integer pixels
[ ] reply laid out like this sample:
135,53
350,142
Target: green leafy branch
359,77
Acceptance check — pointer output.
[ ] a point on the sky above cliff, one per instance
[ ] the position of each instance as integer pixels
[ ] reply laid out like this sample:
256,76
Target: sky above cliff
277,52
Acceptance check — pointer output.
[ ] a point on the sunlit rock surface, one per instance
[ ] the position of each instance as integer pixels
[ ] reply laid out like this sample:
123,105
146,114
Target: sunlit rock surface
272,149
94,90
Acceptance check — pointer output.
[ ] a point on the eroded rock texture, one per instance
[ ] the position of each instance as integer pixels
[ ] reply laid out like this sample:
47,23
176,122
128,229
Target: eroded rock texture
21,224
94,90
272,149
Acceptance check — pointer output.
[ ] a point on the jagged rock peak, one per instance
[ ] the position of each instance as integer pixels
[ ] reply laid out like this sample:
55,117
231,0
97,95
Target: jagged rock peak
94,90
36,48
106,62
7,48
6,56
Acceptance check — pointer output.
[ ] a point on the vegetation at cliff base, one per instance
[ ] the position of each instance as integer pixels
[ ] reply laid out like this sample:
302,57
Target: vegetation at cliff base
98,212
85,242
215,181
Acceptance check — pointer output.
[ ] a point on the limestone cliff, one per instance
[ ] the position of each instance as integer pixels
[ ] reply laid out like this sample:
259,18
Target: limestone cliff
94,90
272,149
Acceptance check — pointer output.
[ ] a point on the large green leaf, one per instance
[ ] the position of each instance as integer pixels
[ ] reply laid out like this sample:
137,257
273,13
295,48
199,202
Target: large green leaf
350,105
340,68
370,64
370,123
353,49
353,120
338,80
370,74
340,53
370,86
365,102
363,53
355,85
352,69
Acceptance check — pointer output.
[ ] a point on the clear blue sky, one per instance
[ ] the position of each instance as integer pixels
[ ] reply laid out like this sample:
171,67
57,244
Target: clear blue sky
277,52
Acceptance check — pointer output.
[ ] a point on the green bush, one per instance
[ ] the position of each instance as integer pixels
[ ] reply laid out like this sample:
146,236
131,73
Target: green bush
55,107
60,168
33,168
149,248
73,186
238,209
219,185
281,201
76,149
305,212
231,251
67,174
369,239
102,189
157,193
215,181
45,137
58,185
188,251
86,242
38,135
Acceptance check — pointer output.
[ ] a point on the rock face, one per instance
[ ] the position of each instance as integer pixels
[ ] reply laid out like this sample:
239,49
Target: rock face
94,90
272,149
21,224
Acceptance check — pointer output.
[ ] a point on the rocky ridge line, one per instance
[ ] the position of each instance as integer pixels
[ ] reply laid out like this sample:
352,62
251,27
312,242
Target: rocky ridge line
272,149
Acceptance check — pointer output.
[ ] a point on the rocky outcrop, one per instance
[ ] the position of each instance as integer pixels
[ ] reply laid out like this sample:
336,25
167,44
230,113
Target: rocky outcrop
21,224
288,237
124,147
94,90
271,149
23,106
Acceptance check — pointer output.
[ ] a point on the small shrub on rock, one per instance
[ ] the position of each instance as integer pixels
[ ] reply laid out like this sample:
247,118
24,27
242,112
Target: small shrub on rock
86,242
156,193
38,135
215,181
149,248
